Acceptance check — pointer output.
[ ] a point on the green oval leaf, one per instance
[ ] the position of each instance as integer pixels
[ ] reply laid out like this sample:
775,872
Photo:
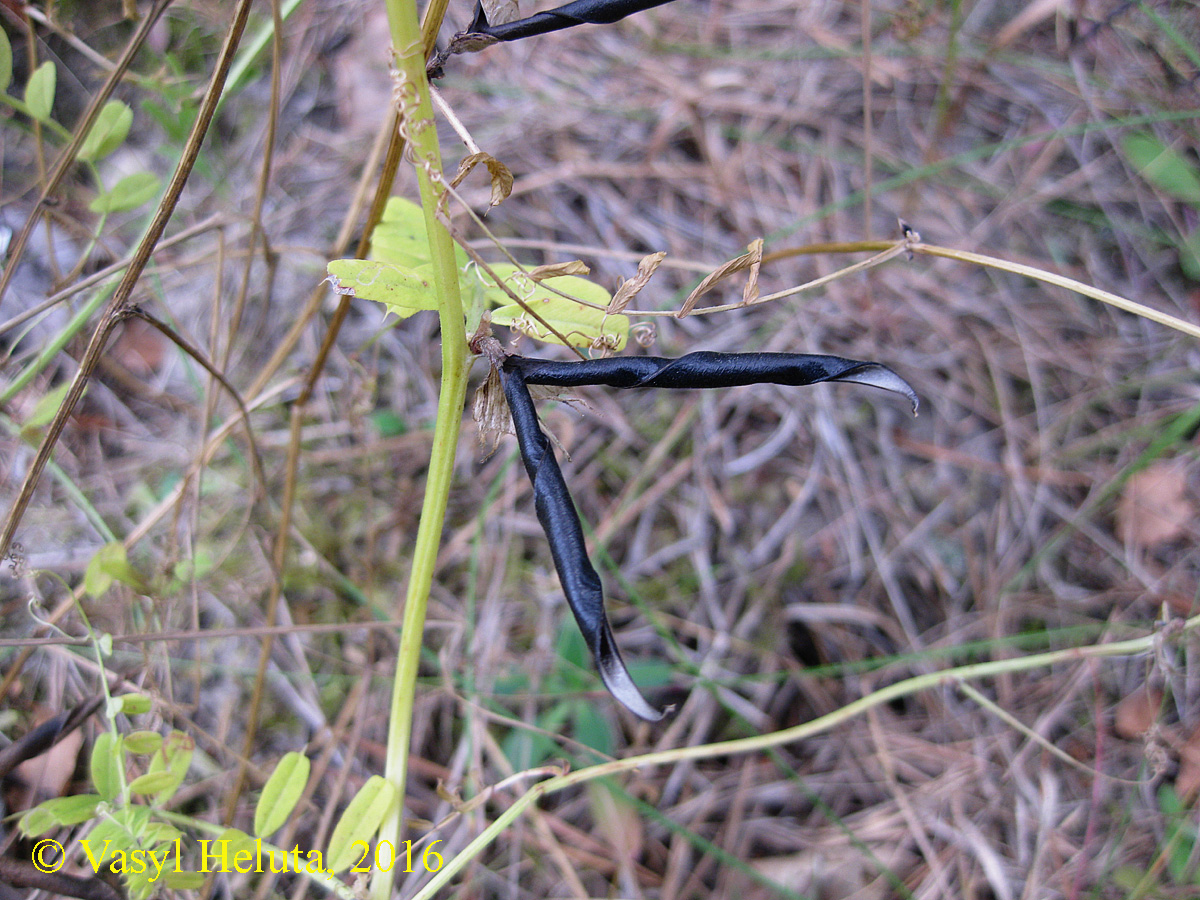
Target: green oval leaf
153,783
108,565
230,842
160,833
5,61
581,326
400,237
110,837
183,880
175,756
128,193
1162,166
36,821
39,91
143,742
281,793
108,133
133,819
235,839
107,764
135,704
402,290
71,810
141,884
360,821
44,410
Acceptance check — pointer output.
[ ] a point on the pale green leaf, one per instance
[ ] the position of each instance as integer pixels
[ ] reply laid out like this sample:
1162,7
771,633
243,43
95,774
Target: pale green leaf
175,756
153,783
138,884
400,237
5,61
39,91
160,833
108,565
402,290
107,764
281,793
582,326
44,410
143,742
70,810
129,193
108,133
36,821
183,880
1164,167
136,704
359,822
133,819
227,845
104,842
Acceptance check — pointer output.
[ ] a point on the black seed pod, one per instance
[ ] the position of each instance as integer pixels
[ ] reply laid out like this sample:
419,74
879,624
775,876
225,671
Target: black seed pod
583,12
555,510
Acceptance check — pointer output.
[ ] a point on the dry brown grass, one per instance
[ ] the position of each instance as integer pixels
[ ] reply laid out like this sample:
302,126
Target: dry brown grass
780,552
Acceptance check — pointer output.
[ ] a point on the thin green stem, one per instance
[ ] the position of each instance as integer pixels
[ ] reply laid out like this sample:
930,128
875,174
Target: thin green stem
417,126
1129,306
1148,643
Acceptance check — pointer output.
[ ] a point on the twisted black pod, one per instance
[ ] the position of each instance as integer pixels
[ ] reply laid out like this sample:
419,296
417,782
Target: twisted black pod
582,12
552,501
705,369
556,513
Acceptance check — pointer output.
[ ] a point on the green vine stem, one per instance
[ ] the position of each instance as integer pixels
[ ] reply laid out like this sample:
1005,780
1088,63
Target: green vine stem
411,95
1152,644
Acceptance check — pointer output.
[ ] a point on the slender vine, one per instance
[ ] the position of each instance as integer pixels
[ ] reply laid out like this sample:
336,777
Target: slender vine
411,96
1150,643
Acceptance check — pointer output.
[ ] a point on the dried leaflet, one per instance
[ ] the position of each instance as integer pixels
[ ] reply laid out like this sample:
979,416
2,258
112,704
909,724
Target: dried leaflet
751,260
502,178
1138,712
750,291
554,270
490,411
1187,782
626,292
1154,506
